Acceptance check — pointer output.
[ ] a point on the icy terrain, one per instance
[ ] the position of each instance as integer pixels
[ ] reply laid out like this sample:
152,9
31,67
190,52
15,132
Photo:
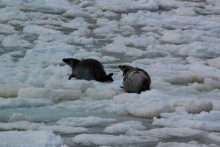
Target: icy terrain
176,41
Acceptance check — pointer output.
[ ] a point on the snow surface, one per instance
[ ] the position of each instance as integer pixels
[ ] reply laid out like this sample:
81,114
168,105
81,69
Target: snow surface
177,42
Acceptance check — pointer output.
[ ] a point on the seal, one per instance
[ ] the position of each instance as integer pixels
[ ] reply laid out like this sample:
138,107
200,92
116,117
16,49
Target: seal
87,69
135,79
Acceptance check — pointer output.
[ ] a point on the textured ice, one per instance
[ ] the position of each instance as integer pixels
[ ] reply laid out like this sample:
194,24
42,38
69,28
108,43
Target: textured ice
53,95
22,102
124,127
189,144
12,13
15,41
30,138
85,121
76,12
17,117
176,42
77,23
122,6
34,29
96,94
11,90
59,5
24,125
89,139
203,121
7,29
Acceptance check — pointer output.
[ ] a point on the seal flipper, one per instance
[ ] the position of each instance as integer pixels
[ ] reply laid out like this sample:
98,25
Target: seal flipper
71,76
105,78
109,77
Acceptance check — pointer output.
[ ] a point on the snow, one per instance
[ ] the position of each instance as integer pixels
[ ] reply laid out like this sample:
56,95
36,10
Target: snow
176,42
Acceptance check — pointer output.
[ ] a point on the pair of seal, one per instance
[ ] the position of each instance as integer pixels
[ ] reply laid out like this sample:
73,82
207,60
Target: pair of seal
87,69
135,79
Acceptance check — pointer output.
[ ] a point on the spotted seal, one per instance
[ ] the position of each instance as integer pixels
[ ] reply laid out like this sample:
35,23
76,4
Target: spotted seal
87,69
135,79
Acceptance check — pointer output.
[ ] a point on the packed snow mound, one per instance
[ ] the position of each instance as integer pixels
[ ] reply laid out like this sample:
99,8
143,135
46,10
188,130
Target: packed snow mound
51,94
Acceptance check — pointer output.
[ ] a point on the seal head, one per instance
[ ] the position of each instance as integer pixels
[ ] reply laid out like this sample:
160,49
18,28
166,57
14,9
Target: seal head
88,69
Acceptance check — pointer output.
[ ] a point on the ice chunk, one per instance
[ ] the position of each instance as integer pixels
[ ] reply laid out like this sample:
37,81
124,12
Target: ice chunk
77,23
51,94
34,29
149,109
30,138
126,97
11,90
101,139
124,6
76,12
213,62
17,117
179,79
124,127
85,121
203,121
21,102
150,104
96,94
15,41
42,55
63,129
86,4
189,144
53,5
194,105
213,83
12,13
81,85
19,125
7,29
185,11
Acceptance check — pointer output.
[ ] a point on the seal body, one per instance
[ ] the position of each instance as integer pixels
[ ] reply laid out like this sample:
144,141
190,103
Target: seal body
135,80
87,69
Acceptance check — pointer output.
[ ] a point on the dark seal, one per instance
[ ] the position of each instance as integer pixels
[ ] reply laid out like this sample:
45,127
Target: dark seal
88,69
135,79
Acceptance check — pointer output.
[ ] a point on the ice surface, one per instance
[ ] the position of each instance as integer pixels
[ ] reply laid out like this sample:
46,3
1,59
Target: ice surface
15,41
190,144
84,122
89,139
176,42
30,138
203,121
124,127
53,95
